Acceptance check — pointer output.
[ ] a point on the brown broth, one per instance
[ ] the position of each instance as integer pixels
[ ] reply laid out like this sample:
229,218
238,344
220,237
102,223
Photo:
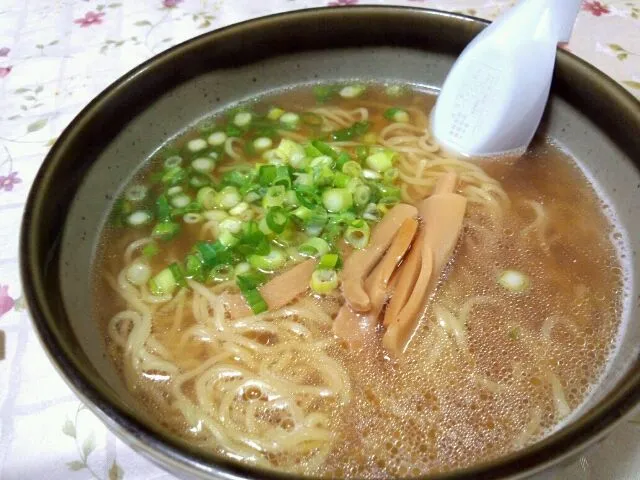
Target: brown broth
439,408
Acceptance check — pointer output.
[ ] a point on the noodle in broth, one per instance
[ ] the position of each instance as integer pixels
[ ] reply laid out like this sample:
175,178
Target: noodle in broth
488,370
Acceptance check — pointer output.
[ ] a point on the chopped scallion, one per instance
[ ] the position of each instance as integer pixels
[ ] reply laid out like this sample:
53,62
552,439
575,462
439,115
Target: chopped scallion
242,119
139,218
136,193
357,234
314,247
352,91
196,144
217,138
173,162
324,281
337,199
203,164
262,143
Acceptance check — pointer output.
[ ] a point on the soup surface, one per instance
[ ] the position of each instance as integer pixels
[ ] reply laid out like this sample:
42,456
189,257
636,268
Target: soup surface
510,334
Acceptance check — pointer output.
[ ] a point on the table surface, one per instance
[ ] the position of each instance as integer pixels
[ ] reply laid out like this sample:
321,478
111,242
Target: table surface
55,55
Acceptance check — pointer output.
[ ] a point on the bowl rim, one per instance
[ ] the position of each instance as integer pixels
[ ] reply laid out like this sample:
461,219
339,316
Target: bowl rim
575,437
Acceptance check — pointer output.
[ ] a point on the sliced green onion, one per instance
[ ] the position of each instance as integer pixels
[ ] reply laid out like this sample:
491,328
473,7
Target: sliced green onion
283,176
397,115
290,199
255,300
303,179
324,281
391,175
371,212
217,138
323,92
352,168
324,149
395,90
180,201
207,198
248,284
277,219
307,195
163,209
341,180
242,268
174,176
369,174
165,230
262,143
314,247
328,260
311,151
239,209
275,113
215,215
514,281
163,283
151,249
138,273
322,161
178,275
213,253
337,199
290,119
290,151
352,91
198,181
173,162
274,197
193,267
357,234
231,224
269,263
354,131
233,131
361,195
227,239
221,273
197,144
174,190
136,193
203,164
242,119
362,152
381,160
192,217
229,197
139,218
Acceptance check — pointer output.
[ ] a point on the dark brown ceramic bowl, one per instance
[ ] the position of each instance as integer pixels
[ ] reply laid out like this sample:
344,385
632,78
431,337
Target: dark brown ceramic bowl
588,114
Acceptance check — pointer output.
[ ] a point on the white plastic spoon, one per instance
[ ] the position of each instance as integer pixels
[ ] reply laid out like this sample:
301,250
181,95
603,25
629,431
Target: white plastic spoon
493,98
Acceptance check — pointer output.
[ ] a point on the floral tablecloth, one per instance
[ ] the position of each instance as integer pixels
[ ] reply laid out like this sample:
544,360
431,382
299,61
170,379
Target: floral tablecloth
55,55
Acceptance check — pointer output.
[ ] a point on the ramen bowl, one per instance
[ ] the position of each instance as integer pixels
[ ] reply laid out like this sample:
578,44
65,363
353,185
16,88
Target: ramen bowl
588,115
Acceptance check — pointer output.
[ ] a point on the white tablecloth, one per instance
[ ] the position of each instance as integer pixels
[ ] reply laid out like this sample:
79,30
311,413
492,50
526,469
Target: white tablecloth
55,55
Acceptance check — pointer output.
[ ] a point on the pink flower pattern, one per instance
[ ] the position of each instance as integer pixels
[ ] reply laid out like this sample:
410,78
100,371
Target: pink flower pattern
4,71
596,8
7,182
90,18
171,3
6,302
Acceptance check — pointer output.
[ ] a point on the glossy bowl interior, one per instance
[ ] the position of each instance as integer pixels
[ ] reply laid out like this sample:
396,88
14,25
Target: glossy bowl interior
588,114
